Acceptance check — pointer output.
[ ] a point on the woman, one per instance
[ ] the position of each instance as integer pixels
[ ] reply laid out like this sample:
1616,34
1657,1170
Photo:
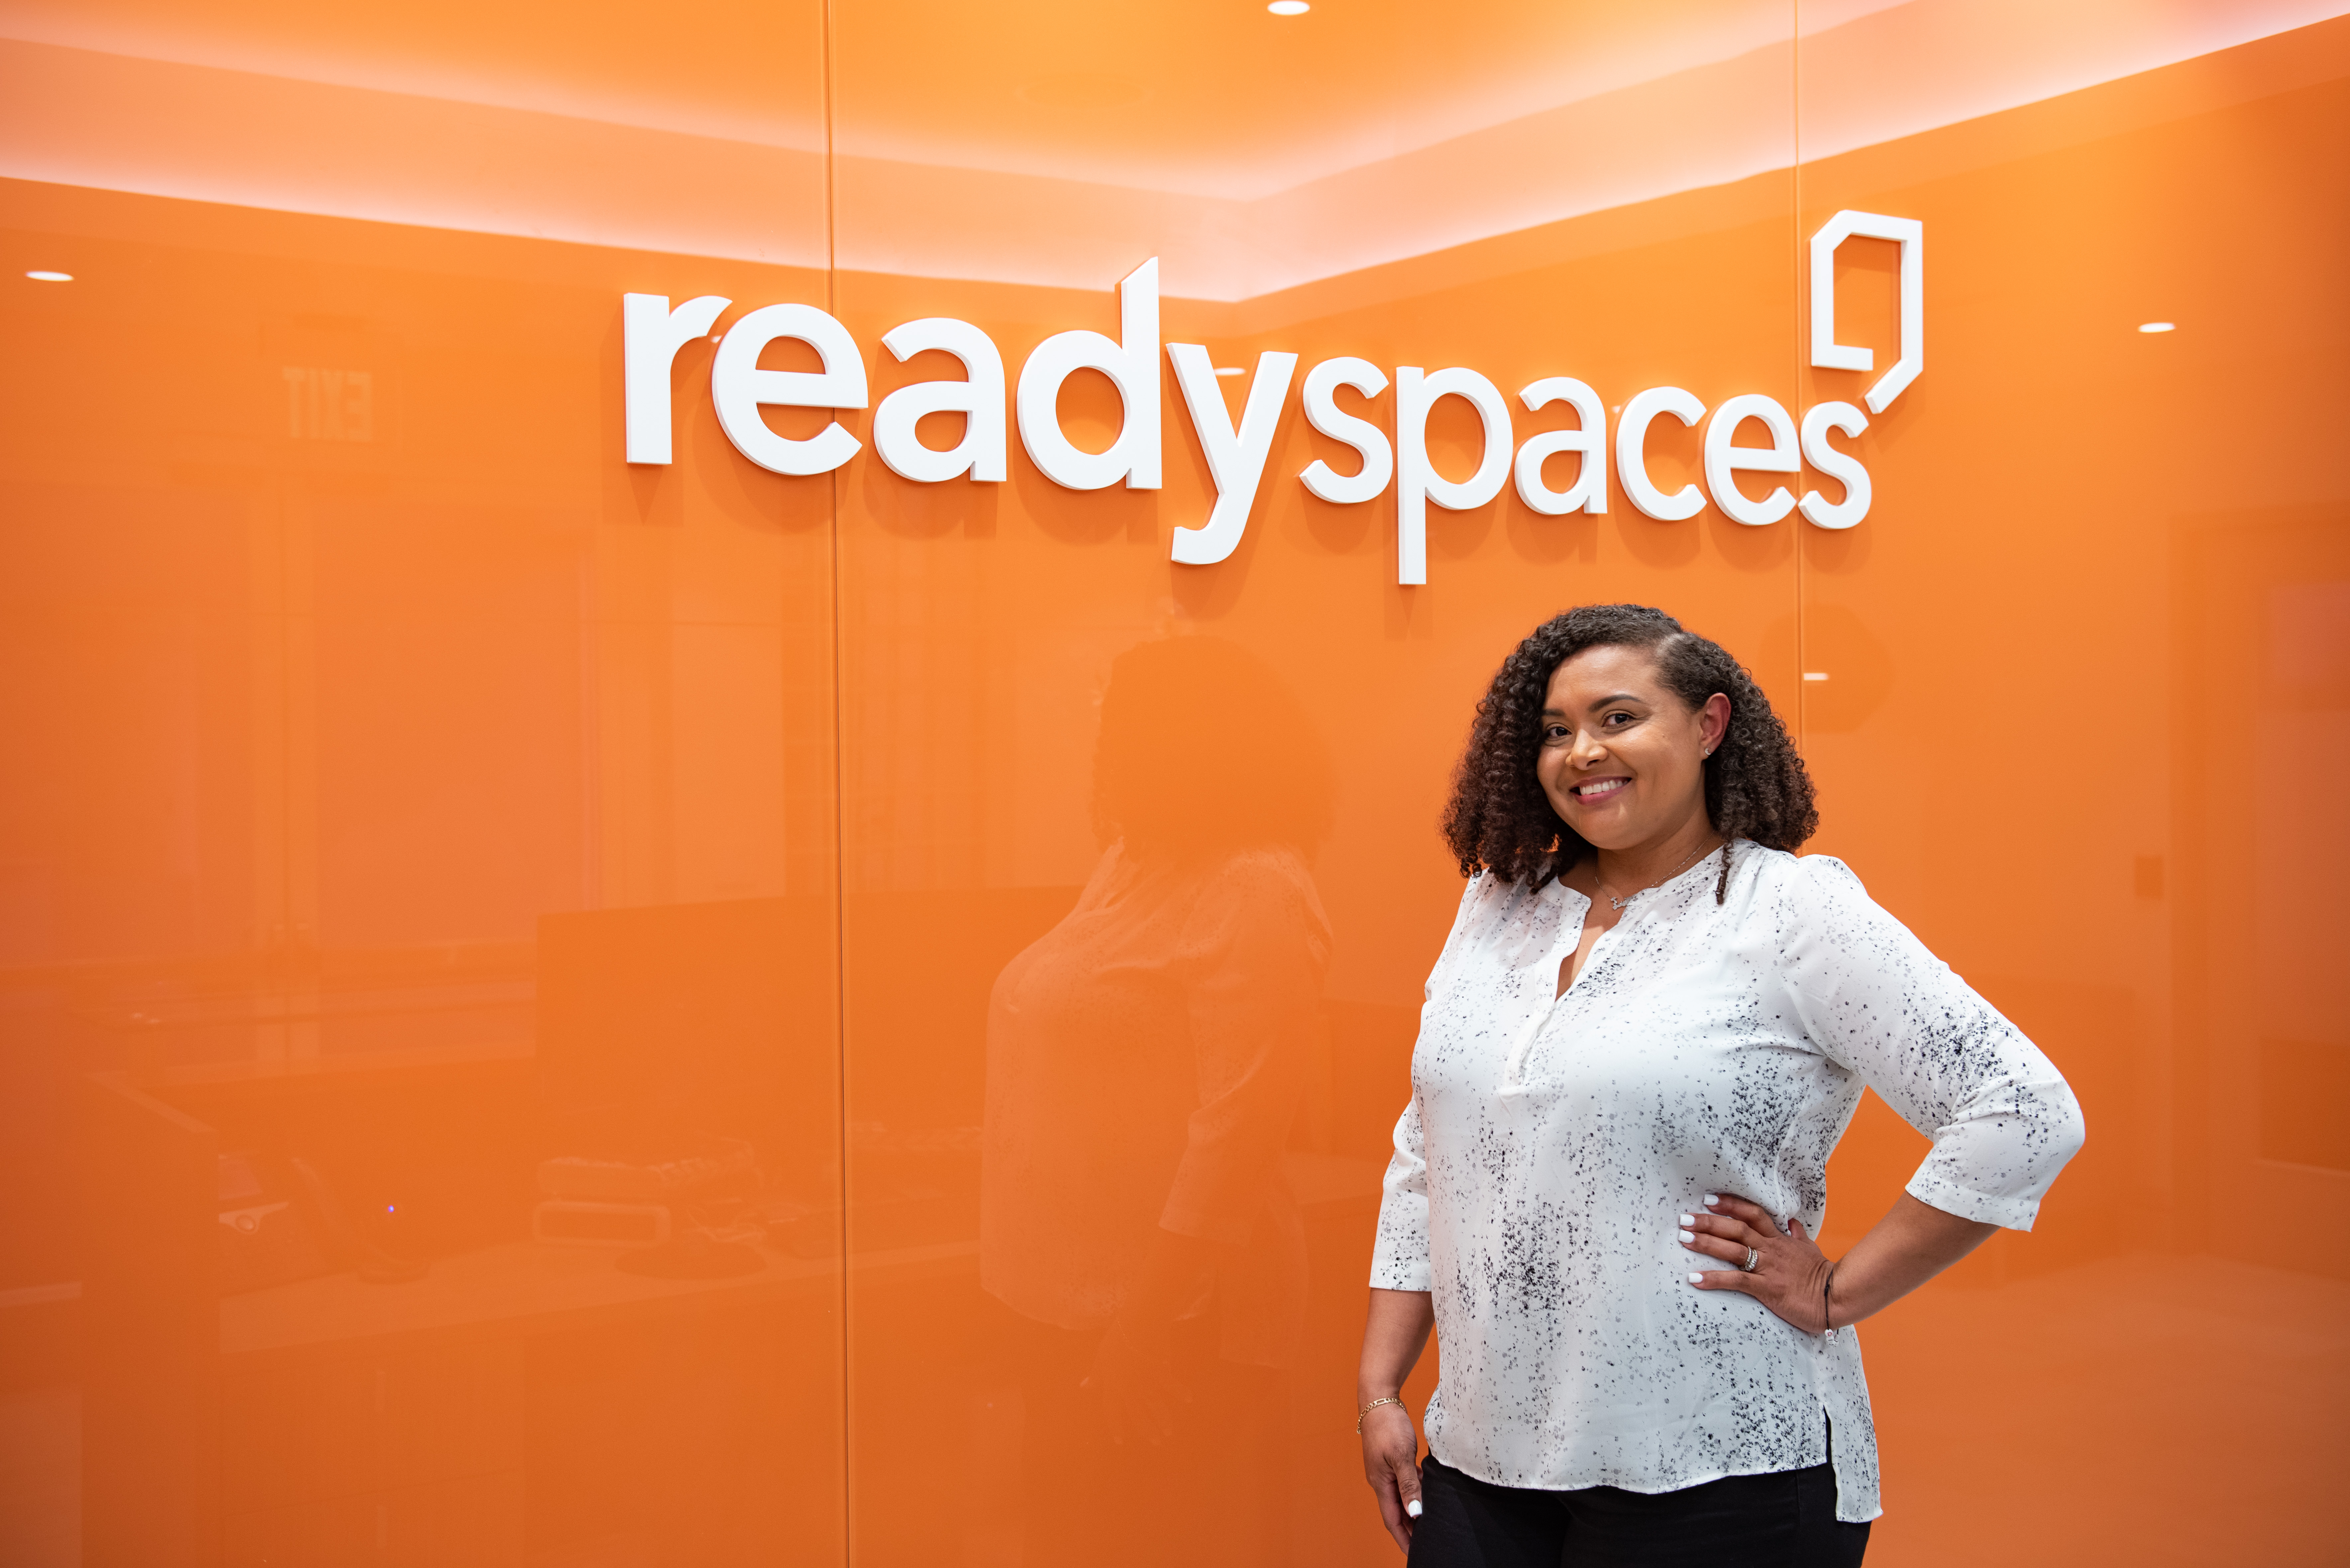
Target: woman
1649,1026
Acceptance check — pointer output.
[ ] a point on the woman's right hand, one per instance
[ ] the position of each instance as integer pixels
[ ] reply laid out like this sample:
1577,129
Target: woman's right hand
1391,1464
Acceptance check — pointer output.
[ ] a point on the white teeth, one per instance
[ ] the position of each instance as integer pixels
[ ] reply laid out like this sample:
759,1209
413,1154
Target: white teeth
1603,786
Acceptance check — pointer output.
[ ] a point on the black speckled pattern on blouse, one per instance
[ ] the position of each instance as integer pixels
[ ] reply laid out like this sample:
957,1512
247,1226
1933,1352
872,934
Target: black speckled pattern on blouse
1550,1148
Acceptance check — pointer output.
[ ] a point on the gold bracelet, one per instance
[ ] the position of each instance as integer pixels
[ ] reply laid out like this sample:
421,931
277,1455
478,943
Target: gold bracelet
1367,1410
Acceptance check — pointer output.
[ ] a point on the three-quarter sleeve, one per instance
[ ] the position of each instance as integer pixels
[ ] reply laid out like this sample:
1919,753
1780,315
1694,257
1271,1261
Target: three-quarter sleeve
1399,1256
1873,998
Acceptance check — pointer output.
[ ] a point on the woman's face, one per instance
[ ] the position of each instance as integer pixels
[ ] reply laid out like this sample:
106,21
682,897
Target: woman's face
1623,759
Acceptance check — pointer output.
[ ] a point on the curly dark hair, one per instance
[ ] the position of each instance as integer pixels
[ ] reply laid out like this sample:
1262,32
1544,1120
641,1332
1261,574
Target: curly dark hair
1499,818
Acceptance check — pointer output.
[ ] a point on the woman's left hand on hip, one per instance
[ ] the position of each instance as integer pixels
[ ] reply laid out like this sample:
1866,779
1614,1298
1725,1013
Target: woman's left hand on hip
1784,1270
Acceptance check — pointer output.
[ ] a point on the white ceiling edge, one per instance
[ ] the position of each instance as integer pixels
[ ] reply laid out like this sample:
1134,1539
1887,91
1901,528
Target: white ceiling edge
1990,55
2036,49
187,39
201,133
73,117
1380,128
192,39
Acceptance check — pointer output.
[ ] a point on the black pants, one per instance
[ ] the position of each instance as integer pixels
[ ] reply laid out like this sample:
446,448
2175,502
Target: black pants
1784,1520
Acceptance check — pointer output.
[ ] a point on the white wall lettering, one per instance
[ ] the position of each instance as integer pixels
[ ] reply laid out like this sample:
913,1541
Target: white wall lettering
1632,453
1322,411
1235,457
738,387
979,398
651,334
1132,362
1723,459
1829,354
1589,491
334,405
1842,467
1417,481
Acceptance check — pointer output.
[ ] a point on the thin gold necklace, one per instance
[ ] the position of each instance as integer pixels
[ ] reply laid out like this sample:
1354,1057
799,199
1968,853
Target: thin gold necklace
1620,903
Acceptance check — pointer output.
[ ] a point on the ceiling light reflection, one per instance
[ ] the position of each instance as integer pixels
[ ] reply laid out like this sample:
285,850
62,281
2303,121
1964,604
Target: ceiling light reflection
44,277
2157,327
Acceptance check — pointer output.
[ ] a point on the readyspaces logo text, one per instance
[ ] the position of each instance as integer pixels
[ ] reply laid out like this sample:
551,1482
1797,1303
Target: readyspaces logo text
1236,452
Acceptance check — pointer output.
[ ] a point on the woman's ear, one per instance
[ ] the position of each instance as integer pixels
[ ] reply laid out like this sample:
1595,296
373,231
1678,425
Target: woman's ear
1713,722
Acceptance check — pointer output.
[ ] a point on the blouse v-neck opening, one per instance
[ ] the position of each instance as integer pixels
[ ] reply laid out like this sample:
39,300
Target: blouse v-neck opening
1577,920
1570,937
1562,948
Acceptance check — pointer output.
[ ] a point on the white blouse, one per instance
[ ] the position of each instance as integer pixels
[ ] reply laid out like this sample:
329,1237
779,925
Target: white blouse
1553,1143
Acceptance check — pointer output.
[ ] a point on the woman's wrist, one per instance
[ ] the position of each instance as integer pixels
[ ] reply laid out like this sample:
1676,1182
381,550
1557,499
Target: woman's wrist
1912,1243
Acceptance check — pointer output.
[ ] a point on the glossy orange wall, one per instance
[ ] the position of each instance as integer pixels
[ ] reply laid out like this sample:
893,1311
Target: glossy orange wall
440,859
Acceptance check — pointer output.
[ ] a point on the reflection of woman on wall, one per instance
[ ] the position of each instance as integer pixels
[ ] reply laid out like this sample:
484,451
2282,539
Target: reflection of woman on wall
1643,1038
1144,1062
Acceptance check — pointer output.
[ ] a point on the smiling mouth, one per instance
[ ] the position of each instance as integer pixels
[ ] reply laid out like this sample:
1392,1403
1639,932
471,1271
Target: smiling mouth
1600,789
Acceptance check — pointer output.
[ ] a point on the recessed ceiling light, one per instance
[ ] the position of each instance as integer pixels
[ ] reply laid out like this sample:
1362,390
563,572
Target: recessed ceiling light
50,276
1289,8
2157,327
1816,675
1230,370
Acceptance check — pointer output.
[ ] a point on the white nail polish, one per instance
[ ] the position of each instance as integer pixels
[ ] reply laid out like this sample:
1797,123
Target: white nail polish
1689,1219
1697,1279
1712,1199
1411,1509
1688,1235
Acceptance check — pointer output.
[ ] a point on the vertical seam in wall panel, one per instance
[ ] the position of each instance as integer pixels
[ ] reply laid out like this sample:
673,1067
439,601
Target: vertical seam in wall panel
1795,239
840,818
277,936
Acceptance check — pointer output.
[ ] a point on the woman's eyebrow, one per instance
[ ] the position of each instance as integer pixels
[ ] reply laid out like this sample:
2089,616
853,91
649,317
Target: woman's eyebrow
1596,704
